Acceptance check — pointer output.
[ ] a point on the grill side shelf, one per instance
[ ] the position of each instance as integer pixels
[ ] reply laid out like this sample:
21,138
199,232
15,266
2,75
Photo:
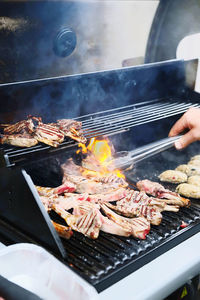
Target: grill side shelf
20,205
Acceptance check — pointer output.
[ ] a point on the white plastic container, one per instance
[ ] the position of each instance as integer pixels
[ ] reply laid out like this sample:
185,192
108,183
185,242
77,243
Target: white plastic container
36,270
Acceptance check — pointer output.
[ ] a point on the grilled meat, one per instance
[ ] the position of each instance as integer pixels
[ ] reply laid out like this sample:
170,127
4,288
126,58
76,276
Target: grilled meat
70,168
139,227
157,190
88,224
19,140
48,134
89,186
72,129
137,209
19,127
63,231
65,187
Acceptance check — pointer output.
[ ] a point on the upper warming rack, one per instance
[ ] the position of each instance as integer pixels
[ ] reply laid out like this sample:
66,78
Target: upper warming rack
105,123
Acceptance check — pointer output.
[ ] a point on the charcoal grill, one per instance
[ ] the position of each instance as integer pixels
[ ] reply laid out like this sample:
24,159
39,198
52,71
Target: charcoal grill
133,106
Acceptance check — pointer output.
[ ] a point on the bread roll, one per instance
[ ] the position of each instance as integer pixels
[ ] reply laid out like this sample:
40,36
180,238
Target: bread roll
189,170
173,176
188,190
194,180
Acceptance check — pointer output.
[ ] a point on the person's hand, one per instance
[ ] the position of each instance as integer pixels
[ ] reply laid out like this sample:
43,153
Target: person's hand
191,121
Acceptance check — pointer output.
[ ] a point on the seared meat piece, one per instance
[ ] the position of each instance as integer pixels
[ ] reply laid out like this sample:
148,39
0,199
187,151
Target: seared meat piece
111,178
72,129
19,140
19,127
65,187
88,224
84,185
137,209
107,225
139,227
70,168
157,190
48,134
63,231
108,197
47,202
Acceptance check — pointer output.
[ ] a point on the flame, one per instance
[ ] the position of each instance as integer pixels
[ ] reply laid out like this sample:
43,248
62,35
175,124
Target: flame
101,149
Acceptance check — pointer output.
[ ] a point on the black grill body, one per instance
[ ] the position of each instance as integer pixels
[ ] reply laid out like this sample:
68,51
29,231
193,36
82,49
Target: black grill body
136,95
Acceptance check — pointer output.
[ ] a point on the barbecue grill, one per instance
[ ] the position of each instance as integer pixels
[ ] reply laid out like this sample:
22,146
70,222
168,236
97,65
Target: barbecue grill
133,106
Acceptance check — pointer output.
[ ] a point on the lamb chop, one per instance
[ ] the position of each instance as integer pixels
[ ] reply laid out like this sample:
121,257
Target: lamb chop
88,224
70,168
84,185
107,225
48,134
67,186
19,127
139,227
72,129
131,209
157,190
19,140
141,197
63,231
19,134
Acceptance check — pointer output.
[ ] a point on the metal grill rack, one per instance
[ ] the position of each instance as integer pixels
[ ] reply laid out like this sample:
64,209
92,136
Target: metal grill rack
108,122
108,259
117,120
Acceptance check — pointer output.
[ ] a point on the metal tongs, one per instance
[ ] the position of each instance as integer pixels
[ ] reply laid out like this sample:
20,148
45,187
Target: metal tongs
126,160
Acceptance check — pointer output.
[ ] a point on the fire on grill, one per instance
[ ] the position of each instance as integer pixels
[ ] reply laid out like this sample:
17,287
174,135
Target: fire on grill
93,199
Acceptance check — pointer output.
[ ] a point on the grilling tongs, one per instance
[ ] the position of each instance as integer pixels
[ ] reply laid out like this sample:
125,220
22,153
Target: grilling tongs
126,160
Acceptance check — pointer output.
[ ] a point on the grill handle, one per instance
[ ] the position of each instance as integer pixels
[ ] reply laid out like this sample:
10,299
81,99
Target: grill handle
127,159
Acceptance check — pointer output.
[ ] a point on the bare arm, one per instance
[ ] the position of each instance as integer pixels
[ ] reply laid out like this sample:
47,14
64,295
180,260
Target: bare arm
190,121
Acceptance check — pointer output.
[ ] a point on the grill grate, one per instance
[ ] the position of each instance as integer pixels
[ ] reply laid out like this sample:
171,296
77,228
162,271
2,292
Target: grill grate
104,258
107,123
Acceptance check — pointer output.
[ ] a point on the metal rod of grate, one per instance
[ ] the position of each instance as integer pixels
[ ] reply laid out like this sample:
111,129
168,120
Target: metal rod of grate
132,116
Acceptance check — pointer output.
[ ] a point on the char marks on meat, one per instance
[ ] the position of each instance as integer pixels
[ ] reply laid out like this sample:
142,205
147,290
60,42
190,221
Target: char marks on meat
138,227
88,224
26,134
157,190
19,127
48,134
138,204
72,129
